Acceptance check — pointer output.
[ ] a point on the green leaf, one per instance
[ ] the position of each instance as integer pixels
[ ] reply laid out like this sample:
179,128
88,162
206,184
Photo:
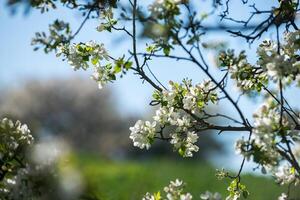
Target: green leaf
86,58
113,22
181,150
167,50
95,61
157,196
156,95
117,68
245,194
108,28
200,104
112,77
151,48
128,65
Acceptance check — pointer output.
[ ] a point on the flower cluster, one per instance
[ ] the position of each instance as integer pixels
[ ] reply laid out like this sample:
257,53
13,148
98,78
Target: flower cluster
237,190
262,146
44,5
292,44
269,126
14,140
280,63
283,196
269,123
59,32
14,137
179,109
221,174
28,183
165,8
7,183
247,76
186,96
270,129
143,133
44,169
165,15
107,16
285,175
211,196
15,187
174,191
82,55
273,63
103,75
185,146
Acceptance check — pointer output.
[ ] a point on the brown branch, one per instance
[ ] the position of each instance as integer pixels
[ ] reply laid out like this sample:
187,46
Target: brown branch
138,67
194,60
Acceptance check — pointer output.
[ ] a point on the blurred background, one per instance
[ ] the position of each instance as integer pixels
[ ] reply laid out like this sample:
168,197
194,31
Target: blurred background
89,127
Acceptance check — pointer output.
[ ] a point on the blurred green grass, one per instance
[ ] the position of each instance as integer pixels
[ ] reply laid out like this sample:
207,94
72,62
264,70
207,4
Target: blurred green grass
130,180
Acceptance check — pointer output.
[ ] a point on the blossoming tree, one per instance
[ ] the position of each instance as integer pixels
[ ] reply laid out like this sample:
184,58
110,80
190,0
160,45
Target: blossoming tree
175,30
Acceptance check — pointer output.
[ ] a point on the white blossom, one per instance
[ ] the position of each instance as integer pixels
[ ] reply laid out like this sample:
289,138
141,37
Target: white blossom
174,191
84,55
292,46
234,197
14,136
178,106
79,55
142,133
210,196
185,145
189,102
190,146
102,75
166,115
280,63
186,196
158,6
285,174
283,196
148,196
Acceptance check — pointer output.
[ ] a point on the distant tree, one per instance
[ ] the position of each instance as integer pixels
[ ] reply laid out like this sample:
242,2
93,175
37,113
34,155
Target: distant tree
74,110
70,109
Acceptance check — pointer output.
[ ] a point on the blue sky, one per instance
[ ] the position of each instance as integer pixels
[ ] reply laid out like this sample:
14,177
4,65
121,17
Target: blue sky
19,62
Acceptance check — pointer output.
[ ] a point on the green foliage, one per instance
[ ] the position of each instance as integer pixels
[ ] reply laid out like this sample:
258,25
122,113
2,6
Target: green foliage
15,138
248,77
203,95
43,5
59,33
122,65
108,21
125,180
236,189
